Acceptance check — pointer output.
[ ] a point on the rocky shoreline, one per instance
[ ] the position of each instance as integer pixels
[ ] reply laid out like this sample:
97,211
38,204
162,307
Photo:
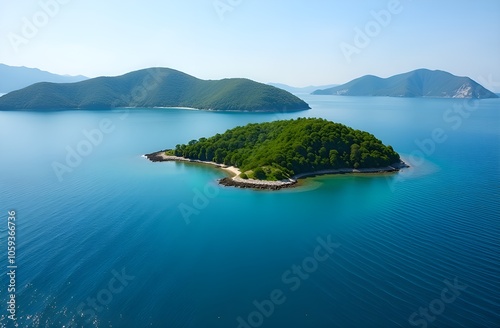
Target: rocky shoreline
256,184
158,156
236,181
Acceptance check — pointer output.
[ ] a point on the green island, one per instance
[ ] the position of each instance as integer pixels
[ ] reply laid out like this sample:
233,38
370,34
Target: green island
280,152
154,87
417,83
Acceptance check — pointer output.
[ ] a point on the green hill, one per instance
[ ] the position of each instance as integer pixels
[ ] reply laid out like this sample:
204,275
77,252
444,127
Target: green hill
418,83
281,149
154,87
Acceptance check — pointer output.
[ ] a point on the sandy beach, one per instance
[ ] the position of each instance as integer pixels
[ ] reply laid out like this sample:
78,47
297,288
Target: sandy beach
236,181
161,157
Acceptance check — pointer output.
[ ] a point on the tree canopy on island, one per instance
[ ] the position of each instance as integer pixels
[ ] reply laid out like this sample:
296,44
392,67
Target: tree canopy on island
281,149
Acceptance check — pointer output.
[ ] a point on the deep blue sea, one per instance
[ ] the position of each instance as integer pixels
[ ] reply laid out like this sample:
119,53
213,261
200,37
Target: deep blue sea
105,238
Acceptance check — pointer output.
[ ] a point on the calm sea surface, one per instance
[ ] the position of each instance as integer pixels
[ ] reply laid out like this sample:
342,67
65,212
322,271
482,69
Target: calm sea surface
104,238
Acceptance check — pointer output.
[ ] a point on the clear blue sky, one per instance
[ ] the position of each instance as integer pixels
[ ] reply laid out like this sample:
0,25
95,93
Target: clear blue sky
293,42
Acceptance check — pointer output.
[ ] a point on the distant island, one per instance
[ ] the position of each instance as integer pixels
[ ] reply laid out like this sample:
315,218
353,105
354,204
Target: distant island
15,78
301,90
274,155
154,87
418,83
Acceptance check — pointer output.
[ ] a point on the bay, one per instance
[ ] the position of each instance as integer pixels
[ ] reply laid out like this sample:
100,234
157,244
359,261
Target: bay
109,238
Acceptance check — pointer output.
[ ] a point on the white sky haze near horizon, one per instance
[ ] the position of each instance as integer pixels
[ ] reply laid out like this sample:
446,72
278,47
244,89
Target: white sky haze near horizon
293,42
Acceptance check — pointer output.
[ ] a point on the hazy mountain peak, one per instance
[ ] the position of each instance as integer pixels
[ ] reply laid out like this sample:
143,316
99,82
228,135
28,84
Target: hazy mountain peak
15,78
418,83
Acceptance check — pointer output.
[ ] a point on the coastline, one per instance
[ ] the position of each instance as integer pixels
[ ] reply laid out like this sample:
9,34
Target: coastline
160,156
225,110
236,181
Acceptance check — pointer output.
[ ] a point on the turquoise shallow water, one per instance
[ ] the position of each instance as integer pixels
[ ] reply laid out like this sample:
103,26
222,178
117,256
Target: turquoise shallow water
107,245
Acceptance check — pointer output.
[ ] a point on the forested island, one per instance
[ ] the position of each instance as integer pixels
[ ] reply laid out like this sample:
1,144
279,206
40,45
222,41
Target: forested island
154,87
282,151
417,83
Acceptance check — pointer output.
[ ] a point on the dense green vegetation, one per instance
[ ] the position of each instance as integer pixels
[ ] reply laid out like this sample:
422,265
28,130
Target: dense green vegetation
281,149
154,87
418,83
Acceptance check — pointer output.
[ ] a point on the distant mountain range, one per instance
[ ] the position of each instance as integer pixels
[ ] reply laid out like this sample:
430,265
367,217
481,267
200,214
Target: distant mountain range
306,90
15,78
154,87
418,83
